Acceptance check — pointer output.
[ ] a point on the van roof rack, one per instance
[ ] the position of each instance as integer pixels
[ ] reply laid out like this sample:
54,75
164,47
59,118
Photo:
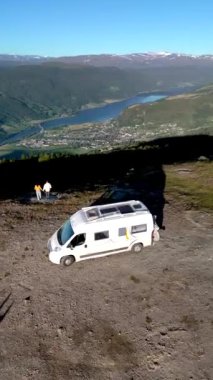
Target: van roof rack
120,208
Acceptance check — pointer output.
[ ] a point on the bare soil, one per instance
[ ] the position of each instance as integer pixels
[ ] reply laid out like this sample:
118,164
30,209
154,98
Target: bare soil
123,317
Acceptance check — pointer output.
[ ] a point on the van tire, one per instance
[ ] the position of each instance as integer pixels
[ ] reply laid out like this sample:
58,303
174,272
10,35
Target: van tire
67,260
137,248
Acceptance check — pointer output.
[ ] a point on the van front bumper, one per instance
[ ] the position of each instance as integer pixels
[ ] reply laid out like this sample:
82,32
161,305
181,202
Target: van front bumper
55,257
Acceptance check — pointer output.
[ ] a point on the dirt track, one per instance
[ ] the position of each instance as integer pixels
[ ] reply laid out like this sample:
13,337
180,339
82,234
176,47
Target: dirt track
128,316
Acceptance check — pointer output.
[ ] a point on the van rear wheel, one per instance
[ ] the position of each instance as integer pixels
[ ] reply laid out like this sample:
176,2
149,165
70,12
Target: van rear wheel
67,260
137,248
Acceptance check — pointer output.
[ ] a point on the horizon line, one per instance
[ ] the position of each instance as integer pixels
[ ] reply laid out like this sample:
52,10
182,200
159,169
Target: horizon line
160,53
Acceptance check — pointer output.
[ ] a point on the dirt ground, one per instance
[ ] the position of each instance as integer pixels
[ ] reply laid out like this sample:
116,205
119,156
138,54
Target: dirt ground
123,317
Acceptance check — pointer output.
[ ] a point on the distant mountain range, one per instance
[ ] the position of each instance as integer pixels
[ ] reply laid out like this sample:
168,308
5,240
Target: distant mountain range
135,60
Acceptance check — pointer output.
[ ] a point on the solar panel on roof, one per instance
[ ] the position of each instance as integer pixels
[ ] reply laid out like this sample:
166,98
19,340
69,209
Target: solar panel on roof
109,210
125,209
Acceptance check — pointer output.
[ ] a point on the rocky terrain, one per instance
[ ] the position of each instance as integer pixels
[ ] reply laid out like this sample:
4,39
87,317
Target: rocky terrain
122,317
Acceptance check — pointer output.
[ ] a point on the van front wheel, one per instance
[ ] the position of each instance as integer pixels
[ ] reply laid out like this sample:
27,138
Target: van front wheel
67,260
137,248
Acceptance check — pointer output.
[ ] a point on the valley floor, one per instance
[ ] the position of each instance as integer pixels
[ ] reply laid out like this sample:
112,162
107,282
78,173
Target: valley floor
128,316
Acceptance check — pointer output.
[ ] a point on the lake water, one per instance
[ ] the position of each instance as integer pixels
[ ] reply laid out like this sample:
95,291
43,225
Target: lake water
94,115
103,113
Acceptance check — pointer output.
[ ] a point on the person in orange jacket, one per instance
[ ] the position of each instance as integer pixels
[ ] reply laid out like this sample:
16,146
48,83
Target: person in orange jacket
38,190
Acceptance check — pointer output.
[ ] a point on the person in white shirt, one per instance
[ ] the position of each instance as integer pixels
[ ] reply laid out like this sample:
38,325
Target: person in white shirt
46,188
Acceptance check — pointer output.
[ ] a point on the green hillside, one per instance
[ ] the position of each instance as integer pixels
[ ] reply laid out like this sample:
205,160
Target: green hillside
182,115
178,115
30,93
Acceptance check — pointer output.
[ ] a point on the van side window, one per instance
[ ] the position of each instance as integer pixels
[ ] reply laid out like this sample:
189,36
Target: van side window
122,231
101,235
139,228
77,240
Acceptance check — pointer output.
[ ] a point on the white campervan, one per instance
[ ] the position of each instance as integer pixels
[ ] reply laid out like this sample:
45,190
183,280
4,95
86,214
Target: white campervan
103,230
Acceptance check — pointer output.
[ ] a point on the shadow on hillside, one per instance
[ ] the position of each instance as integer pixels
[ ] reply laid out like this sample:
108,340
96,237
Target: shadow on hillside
139,168
140,183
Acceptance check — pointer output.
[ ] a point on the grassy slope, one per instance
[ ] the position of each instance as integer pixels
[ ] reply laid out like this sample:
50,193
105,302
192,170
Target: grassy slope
167,165
44,91
189,114
184,113
191,184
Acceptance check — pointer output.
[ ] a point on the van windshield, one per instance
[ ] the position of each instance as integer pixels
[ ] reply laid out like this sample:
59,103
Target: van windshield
65,232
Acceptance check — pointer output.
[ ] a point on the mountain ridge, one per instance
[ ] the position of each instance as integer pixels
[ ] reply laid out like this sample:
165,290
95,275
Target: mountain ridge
53,89
118,60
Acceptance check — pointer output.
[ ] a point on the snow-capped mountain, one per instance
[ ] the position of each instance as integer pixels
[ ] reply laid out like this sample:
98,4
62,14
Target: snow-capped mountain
135,60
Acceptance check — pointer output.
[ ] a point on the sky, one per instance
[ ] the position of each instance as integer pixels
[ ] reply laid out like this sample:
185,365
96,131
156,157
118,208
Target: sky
77,27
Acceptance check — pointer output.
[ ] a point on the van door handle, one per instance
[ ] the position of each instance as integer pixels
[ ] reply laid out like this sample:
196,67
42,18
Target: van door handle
85,246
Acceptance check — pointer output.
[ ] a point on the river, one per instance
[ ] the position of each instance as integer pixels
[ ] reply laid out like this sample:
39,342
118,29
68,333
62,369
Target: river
94,115
103,113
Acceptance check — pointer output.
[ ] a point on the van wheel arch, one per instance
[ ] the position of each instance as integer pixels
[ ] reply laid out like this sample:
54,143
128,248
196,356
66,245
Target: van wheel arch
66,261
137,248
